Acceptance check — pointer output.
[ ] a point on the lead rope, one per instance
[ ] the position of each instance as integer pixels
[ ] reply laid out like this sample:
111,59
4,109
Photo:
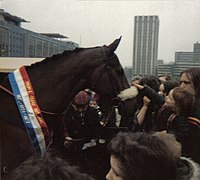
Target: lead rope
9,92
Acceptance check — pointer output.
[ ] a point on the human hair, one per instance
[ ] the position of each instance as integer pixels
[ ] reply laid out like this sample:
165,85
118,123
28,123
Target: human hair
166,76
184,101
170,140
47,168
169,85
194,74
137,77
143,156
152,81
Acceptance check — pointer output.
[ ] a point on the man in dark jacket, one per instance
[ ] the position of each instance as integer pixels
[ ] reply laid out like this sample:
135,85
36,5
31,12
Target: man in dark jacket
82,122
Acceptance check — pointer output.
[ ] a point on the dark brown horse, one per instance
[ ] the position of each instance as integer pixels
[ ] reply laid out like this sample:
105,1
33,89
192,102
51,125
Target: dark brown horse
56,80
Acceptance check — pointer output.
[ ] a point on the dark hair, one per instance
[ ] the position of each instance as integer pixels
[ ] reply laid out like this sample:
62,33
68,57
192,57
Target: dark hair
167,76
47,168
169,85
143,156
194,73
137,77
184,101
152,81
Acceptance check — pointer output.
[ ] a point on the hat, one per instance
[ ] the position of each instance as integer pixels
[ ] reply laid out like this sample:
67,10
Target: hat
81,98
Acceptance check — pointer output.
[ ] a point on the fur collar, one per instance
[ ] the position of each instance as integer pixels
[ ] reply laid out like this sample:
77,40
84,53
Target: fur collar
188,169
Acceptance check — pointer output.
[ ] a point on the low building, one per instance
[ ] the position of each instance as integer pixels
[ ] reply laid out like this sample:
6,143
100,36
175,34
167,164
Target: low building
183,60
16,41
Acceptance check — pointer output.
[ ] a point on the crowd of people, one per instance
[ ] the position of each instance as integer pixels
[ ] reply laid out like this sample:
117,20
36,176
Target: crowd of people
161,141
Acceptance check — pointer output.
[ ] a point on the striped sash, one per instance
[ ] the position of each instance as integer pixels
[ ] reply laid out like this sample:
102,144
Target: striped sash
32,117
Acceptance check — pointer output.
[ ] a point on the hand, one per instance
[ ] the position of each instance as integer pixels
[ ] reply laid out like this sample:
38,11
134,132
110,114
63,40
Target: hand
146,101
138,86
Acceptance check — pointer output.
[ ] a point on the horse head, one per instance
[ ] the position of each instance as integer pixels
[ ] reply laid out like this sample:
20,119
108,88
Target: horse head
111,83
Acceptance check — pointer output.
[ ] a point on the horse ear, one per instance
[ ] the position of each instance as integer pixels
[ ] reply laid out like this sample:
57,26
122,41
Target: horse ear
112,47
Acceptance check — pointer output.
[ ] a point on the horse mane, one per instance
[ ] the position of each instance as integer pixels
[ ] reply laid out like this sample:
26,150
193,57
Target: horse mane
54,57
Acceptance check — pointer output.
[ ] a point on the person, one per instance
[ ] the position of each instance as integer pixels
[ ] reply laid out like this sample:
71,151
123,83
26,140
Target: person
82,123
186,168
144,114
142,156
92,97
48,168
167,86
189,79
165,77
179,103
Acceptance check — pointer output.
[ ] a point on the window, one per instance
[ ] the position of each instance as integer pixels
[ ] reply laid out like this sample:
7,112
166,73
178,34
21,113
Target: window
4,42
31,46
39,48
45,49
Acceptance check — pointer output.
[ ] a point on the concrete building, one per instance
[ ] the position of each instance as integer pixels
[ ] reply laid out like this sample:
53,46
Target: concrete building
183,60
145,47
16,41
163,68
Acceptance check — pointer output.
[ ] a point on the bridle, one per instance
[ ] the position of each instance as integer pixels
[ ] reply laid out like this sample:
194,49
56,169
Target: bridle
115,101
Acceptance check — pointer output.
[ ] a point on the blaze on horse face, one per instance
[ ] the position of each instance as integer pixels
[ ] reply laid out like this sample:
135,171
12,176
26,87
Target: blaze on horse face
112,81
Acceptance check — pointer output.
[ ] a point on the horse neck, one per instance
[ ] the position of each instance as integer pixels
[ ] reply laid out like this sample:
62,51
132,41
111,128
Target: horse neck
57,83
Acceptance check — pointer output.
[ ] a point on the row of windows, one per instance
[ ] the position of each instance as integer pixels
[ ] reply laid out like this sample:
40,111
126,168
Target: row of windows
17,33
15,46
41,48
17,42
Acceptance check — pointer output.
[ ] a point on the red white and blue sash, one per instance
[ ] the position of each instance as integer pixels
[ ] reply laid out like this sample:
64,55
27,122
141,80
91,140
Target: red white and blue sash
32,117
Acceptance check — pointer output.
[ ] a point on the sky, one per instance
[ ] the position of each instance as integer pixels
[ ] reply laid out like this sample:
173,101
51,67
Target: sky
99,22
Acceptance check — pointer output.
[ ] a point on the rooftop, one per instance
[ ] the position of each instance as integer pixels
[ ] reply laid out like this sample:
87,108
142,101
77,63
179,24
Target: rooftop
11,17
53,35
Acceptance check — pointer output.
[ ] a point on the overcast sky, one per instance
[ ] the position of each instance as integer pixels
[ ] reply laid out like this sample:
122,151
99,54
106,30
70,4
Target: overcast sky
97,22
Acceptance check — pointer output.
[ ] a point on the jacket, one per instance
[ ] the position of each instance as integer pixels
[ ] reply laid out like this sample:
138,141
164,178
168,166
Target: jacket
82,125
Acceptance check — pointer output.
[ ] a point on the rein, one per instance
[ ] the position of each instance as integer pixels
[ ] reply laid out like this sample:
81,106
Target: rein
107,118
10,93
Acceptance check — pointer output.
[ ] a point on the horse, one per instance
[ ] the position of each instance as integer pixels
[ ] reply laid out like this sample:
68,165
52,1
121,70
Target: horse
56,80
